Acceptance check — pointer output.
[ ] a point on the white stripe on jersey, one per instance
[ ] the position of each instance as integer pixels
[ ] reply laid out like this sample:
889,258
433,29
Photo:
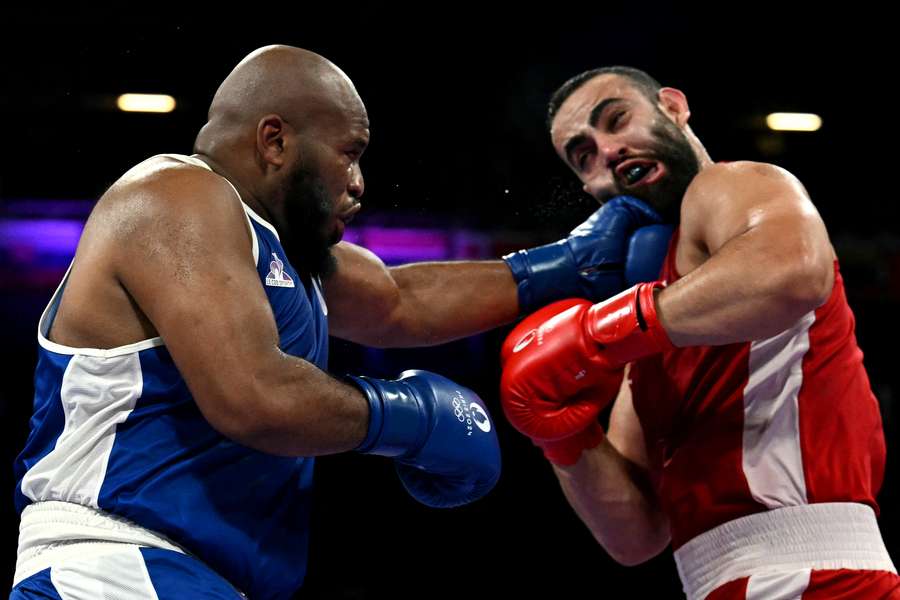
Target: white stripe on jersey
772,457
97,394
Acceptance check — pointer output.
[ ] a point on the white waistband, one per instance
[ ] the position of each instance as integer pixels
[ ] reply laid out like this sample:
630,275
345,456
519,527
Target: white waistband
52,531
811,536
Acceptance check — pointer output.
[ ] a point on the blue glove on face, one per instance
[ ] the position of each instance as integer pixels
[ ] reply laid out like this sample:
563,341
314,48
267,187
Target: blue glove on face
439,433
647,248
590,263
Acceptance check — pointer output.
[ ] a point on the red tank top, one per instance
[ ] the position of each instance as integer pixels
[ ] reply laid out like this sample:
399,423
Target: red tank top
753,426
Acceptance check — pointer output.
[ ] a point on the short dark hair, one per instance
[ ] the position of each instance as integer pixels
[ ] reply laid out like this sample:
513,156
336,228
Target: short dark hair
639,79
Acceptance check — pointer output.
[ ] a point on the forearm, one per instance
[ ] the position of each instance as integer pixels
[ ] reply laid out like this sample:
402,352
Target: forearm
419,304
745,291
614,498
443,301
288,407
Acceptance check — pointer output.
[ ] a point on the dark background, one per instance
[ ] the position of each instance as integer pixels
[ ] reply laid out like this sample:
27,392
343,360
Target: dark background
456,100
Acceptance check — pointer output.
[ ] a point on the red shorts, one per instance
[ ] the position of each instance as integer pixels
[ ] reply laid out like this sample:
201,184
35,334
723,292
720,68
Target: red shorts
812,585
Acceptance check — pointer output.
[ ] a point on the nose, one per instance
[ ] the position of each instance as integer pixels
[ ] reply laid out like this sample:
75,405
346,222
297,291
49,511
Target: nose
356,186
600,181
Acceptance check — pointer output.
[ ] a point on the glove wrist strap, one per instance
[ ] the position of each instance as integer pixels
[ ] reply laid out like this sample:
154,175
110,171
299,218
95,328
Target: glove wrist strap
543,274
396,421
627,326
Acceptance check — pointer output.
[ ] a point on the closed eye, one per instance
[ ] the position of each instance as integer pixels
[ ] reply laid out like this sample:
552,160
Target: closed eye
582,157
582,160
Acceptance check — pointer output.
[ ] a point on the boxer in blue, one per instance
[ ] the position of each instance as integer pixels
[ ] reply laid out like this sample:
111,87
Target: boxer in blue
182,391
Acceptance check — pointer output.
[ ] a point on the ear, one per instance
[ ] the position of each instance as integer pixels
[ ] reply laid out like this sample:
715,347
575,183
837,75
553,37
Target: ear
270,139
674,103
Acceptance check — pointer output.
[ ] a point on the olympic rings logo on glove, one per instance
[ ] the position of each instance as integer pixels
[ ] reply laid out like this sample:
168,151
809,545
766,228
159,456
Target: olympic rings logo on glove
471,414
458,410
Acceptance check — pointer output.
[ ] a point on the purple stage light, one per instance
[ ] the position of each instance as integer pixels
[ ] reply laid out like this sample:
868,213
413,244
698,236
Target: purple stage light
40,236
35,250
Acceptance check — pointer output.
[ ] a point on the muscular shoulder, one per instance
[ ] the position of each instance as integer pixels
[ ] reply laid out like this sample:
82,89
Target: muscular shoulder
742,181
161,190
167,210
163,201
726,199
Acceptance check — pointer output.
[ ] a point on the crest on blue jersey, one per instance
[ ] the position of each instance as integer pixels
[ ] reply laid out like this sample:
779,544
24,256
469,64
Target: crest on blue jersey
277,277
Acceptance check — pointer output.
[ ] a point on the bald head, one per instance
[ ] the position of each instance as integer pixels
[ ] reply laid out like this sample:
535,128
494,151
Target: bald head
288,129
300,86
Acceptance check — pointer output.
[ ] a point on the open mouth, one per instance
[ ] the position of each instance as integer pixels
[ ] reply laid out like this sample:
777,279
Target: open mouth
635,172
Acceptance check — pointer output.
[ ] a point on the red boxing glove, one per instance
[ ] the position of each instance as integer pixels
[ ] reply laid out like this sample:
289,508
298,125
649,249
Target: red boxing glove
560,419
559,376
567,451
627,326
530,324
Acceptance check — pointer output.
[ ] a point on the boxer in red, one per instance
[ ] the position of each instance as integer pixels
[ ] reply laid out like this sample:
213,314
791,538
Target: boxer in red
743,429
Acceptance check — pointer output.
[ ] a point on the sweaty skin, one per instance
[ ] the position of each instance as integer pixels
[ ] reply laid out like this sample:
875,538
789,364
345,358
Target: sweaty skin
754,256
167,252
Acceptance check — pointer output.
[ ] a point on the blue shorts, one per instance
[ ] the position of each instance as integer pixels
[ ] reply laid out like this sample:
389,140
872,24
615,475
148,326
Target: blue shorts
133,573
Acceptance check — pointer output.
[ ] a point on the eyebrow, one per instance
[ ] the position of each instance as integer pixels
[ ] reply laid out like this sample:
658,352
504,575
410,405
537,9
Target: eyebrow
593,119
598,110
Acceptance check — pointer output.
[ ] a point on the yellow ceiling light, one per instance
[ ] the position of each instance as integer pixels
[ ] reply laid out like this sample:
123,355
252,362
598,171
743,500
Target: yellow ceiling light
152,103
784,121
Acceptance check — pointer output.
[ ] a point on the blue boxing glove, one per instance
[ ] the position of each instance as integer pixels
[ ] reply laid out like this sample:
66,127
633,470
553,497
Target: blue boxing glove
439,433
647,248
590,263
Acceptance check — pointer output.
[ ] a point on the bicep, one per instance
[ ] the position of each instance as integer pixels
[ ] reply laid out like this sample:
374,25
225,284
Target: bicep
757,222
362,296
190,270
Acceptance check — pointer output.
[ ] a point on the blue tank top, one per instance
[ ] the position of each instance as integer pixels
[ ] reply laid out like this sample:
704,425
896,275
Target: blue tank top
117,430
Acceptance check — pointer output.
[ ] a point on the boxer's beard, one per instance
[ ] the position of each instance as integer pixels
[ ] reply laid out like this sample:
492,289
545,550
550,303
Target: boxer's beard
671,148
308,213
